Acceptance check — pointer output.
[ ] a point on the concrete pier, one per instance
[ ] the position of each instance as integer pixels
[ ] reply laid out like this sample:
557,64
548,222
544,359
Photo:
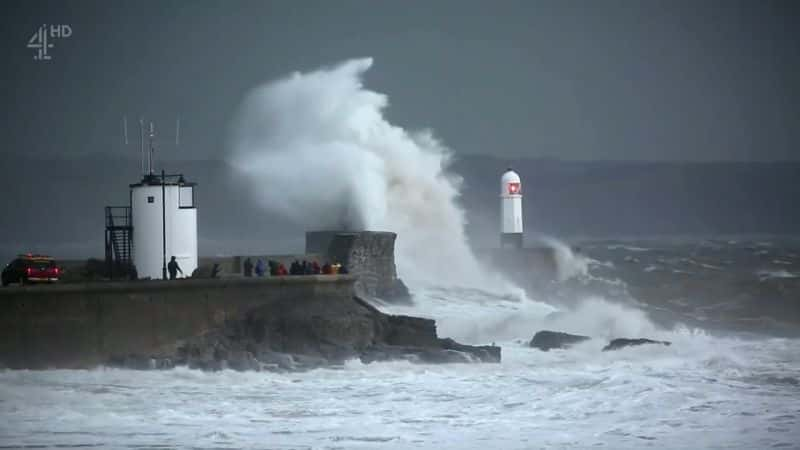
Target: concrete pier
83,325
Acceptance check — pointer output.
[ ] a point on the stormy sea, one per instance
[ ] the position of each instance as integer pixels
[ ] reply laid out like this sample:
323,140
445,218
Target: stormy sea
729,307
730,379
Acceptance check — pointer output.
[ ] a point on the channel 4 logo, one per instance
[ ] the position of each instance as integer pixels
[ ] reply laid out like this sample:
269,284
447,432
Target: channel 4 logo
43,40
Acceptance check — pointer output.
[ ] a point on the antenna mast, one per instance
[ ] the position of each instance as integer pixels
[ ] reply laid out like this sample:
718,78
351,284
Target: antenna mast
152,136
141,141
178,131
125,128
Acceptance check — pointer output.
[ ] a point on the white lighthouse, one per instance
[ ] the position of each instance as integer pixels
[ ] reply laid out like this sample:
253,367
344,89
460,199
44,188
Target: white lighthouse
164,219
510,210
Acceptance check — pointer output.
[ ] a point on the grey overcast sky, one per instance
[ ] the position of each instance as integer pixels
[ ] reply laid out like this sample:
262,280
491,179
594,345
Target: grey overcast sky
624,80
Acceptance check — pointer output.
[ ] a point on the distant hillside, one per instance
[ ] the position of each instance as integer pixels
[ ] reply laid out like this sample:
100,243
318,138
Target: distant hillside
56,205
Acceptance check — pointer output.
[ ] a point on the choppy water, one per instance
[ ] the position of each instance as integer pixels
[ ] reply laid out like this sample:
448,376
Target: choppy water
707,390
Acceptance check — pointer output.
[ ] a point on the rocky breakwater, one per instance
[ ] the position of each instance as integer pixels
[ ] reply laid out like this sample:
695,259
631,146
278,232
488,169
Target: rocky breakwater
292,335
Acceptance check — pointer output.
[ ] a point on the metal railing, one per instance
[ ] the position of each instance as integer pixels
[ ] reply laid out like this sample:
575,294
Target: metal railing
118,216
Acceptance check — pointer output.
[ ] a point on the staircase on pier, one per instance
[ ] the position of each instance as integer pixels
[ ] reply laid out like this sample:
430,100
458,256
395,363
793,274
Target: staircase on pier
119,242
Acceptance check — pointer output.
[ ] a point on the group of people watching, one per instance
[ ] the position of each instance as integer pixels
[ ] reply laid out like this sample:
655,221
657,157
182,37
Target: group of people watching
275,268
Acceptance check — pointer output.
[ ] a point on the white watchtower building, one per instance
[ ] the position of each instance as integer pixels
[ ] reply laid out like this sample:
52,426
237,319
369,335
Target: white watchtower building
161,222
164,224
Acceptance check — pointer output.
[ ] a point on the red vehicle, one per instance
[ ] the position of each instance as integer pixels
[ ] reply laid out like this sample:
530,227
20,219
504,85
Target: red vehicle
31,269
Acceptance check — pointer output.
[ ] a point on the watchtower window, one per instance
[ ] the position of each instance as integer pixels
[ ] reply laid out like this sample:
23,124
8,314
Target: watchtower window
186,197
150,199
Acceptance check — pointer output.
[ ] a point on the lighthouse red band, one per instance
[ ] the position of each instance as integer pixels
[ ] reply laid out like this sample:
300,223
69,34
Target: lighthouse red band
511,230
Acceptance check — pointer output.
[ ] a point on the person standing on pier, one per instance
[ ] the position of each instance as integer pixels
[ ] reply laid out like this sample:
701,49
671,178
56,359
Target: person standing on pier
173,268
248,267
260,269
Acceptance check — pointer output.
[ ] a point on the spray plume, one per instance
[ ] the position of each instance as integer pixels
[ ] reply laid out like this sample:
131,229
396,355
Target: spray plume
319,152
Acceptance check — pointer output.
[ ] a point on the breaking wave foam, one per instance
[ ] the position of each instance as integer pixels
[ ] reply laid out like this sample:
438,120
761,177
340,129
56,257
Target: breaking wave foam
317,149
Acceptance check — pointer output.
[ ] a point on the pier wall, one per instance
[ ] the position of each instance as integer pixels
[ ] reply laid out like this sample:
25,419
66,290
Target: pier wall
83,325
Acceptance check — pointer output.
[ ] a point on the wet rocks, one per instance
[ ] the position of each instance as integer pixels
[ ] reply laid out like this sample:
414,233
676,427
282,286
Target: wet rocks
547,340
481,353
619,343
290,335
414,339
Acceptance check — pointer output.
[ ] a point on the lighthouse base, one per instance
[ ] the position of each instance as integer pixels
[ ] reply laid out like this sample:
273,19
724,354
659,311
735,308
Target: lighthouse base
513,240
531,268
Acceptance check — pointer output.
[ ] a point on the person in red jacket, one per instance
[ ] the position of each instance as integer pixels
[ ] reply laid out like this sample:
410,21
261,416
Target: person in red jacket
282,270
326,269
315,269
